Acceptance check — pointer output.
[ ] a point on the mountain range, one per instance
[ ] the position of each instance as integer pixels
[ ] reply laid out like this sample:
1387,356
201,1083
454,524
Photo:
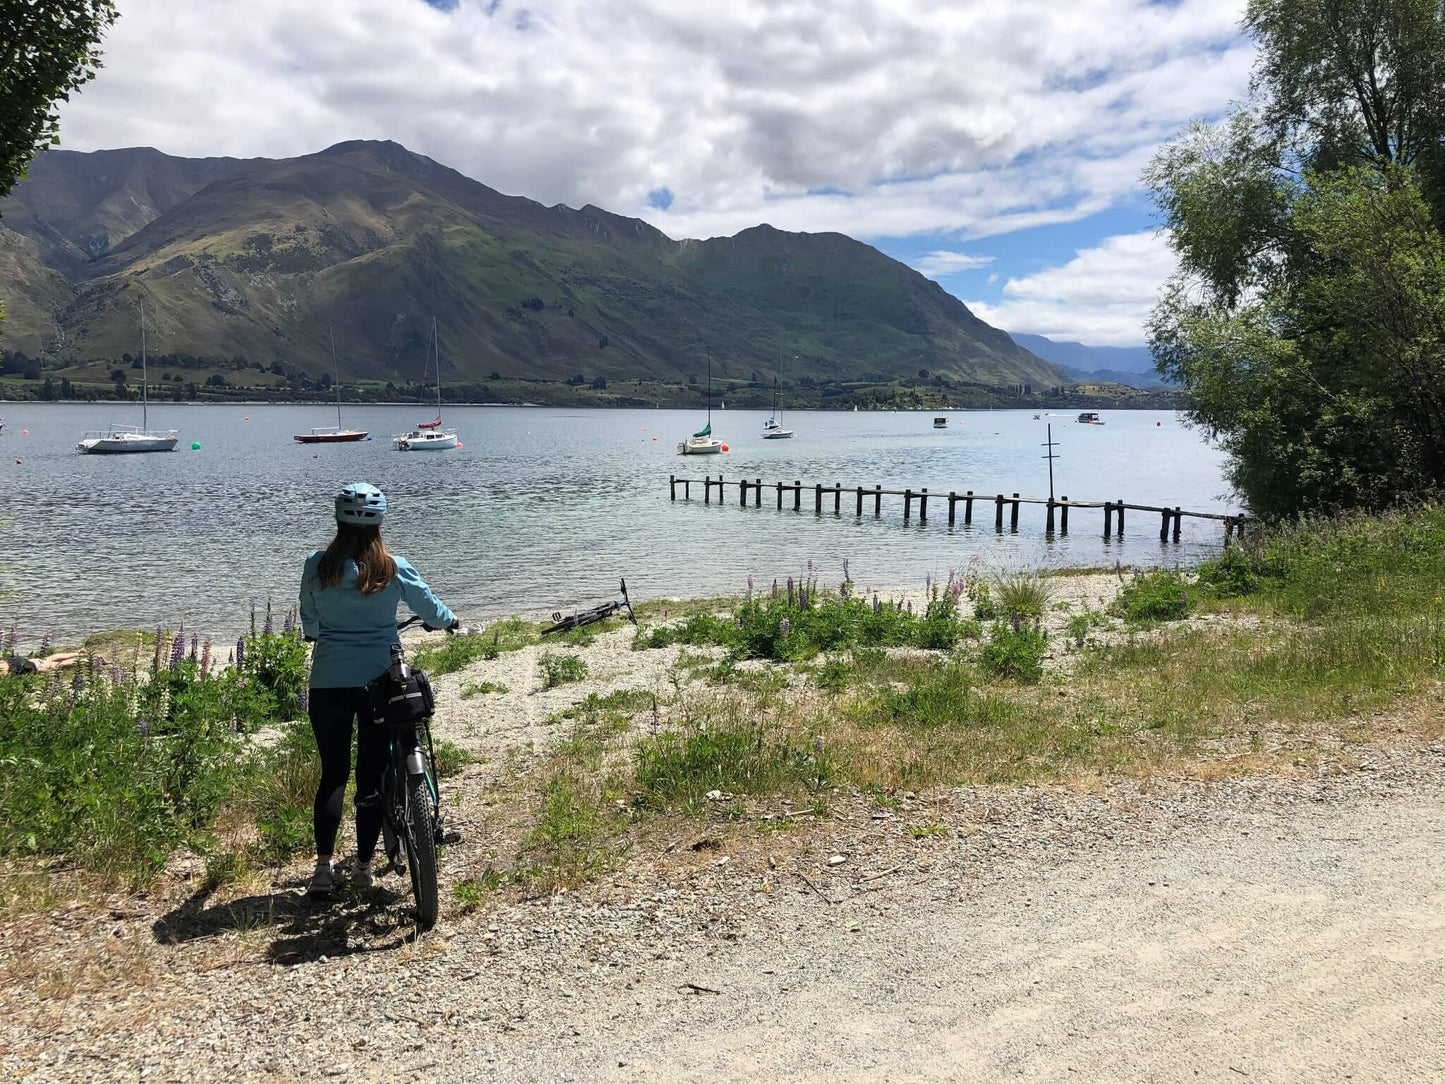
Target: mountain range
1131,365
258,258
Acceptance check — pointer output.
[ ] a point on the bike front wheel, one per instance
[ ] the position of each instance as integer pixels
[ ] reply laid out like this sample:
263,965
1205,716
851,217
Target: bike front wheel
421,847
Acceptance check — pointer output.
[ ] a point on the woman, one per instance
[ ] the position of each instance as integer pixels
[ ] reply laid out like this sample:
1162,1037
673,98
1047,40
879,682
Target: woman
349,595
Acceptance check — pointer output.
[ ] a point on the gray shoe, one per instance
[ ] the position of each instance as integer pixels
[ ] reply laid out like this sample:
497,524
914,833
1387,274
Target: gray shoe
361,875
323,880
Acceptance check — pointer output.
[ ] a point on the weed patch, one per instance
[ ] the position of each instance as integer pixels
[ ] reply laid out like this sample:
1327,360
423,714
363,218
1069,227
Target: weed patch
558,670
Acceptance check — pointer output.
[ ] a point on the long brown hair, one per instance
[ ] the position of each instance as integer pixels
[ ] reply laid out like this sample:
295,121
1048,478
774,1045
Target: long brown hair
375,568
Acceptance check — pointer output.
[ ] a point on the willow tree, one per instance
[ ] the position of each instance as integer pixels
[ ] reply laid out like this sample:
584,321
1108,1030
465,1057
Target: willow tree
1308,319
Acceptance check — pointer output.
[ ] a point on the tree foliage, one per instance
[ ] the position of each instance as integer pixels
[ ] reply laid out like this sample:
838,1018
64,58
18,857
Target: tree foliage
1308,320
48,48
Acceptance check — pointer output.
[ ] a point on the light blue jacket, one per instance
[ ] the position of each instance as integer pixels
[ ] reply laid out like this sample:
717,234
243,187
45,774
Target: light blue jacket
354,632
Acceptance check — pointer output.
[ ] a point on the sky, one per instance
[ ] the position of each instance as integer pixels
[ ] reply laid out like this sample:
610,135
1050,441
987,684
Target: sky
994,145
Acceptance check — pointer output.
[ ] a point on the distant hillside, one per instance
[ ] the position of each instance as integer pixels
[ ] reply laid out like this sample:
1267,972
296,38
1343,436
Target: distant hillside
1132,365
254,258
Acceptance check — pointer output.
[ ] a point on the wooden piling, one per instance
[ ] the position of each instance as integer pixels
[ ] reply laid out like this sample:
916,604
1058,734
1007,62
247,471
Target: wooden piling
968,508
1049,519
837,496
1165,517
817,498
860,502
952,500
797,494
1064,516
923,505
1013,519
1108,519
998,513
1120,507
672,485
877,500
907,505
707,489
1178,517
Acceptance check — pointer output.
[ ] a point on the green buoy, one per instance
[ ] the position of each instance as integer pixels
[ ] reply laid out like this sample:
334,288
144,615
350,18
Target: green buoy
195,446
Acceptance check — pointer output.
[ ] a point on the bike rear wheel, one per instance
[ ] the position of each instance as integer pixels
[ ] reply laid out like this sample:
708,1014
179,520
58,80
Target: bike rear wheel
421,848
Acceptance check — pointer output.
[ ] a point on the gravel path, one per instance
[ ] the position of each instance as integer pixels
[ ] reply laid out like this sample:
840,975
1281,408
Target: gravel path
1268,928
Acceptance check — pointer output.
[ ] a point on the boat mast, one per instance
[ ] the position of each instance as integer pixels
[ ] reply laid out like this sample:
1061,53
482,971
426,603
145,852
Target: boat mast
436,350
336,373
709,391
144,382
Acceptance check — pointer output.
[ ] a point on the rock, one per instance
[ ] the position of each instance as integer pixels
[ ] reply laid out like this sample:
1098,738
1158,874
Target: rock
837,860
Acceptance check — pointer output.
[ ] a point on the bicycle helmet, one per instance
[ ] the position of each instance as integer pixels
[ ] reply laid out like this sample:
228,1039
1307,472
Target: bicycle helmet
361,503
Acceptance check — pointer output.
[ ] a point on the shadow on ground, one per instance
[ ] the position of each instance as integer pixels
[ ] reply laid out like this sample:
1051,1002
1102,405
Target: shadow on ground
301,929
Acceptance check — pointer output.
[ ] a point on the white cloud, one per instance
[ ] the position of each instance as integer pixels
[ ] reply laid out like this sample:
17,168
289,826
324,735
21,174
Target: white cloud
872,118
938,263
1101,297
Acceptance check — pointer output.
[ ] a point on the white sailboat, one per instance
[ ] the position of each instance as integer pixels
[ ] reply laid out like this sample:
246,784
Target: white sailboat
703,442
773,427
121,439
429,436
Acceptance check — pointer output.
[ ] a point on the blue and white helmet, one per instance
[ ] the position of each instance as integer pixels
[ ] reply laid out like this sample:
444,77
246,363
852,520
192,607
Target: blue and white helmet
361,503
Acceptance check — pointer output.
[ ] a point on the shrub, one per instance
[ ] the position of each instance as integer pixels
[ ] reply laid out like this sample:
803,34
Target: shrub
735,757
561,669
983,605
1162,595
1230,575
473,688
1023,595
1015,651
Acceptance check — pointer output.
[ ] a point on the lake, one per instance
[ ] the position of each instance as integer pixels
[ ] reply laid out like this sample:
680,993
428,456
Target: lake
544,508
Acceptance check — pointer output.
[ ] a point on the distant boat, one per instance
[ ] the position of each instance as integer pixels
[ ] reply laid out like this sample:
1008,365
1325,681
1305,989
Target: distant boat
332,434
429,436
703,442
1089,417
773,427
940,422
124,439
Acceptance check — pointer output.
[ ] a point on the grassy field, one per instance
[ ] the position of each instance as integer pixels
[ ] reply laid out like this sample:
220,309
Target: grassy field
1302,648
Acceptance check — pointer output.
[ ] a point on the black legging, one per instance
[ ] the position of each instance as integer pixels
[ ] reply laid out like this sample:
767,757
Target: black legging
332,711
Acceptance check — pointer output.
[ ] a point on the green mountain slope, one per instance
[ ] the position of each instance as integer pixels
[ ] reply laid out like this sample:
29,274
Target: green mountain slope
253,258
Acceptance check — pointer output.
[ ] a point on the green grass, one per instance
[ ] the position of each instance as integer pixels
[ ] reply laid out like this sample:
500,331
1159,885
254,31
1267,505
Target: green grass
478,688
1162,595
558,670
458,652
1023,595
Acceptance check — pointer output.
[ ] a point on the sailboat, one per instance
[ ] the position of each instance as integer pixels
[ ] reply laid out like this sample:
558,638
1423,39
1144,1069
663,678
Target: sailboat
332,434
773,427
702,442
127,438
429,436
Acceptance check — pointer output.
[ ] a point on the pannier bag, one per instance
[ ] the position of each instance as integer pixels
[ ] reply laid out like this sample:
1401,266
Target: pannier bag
401,702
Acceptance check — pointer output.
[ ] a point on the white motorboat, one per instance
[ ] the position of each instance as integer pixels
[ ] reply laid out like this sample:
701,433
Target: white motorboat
430,436
703,442
940,422
125,439
773,427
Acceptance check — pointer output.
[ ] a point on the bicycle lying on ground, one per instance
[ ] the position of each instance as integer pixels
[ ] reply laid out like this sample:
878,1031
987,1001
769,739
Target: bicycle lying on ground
411,828
592,616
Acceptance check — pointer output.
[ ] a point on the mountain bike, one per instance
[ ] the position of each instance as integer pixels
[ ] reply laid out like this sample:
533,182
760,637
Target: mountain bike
592,616
411,827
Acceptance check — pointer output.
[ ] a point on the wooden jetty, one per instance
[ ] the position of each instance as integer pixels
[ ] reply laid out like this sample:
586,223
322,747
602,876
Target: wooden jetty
1056,510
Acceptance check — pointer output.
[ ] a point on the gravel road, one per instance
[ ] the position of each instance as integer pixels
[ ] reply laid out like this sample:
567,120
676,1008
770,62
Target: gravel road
1267,928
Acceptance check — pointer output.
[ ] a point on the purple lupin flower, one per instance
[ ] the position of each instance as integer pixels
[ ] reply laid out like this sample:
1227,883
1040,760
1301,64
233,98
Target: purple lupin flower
44,646
142,727
290,622
910,607
846,577
656,716
206,658
117,675
240,652
178,651
195,647
301,700
791,598
928,582
1018,623
750,589
77,681
230,658
270,626
784,627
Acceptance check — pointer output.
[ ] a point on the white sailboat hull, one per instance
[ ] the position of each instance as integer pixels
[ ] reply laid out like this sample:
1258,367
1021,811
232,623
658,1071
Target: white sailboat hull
126,443
700,446
777,434
427,440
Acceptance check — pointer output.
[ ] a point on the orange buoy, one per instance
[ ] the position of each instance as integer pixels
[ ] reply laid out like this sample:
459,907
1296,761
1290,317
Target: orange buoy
25,432
246,419
724,447
17,462
460,444
654,438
